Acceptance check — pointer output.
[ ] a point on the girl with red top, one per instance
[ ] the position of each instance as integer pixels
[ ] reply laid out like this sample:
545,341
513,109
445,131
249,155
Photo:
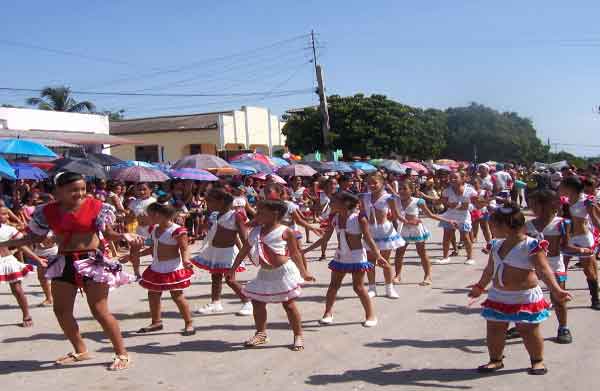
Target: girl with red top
80,224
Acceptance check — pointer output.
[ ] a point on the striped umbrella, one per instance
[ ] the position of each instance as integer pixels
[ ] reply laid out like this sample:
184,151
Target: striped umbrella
139,174
195,174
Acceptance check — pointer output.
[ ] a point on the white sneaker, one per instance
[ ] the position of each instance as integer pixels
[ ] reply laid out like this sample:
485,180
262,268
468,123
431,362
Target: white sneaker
246,309
210,308
470,262
372,291
443,261
370,323
326,320
390,292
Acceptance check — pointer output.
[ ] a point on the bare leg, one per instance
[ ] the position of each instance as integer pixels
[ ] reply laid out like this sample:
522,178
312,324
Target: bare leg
446,241
533,341
184,309
334,287
485,228
293,315
260,315
17,290
359,288
475,231
154,301
63,297
398,263
216,287
237,288
560,309
387,269
45,284
97,298
496,339
425,262
464,236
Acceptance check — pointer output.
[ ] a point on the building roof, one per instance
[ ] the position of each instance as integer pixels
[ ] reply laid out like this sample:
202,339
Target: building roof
66,139
173,123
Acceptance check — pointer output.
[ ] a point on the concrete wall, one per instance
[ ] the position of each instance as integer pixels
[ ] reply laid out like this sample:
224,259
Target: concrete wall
176,144
32,119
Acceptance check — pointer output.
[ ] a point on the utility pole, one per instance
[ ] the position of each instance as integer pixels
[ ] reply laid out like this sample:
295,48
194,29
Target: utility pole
322,98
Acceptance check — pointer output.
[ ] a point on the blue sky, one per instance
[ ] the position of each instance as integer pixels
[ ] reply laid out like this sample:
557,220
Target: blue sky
538,58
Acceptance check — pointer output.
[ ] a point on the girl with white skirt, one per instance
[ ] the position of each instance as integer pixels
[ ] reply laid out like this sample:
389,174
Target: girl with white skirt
279,280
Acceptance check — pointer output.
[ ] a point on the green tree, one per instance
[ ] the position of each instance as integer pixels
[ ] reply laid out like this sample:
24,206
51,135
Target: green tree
369,125
60,99
115,115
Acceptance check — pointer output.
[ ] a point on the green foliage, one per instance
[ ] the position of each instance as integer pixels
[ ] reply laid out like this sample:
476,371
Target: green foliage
115,115
380,127
60,99
372,125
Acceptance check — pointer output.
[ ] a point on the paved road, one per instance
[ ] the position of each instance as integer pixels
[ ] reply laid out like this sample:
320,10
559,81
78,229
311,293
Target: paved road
428,339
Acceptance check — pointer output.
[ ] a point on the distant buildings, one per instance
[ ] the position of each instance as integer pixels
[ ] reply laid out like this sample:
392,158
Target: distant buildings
169,138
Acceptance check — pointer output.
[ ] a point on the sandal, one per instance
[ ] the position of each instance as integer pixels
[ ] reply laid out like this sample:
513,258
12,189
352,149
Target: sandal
498,364
260,338
45,303
426,282
298,343
72,357
188,332
119,363
454,253
537,371
27,322
150,329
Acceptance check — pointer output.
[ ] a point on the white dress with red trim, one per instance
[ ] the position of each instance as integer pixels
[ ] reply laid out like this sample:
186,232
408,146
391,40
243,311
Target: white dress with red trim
11,270
272,284
347,260
524,306
384,234
219,259
167,275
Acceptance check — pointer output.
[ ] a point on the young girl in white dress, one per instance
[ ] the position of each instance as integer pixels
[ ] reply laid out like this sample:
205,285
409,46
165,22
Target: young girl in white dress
352,229
413,231
171,269
227,227
279,279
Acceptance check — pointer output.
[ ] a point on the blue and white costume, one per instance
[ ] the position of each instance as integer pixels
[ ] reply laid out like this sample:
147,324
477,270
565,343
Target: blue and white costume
347,260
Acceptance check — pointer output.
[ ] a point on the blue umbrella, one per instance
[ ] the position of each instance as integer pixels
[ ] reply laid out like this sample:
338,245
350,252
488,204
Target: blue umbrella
366,167
258,166
133,163
279,162
244,168
338,167
27,171
17,146
6,171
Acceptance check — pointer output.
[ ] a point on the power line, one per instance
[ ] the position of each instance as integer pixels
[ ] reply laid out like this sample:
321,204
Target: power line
156,95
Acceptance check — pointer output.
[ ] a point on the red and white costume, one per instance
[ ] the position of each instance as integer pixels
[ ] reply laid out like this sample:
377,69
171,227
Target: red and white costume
11,270
169,275
272,284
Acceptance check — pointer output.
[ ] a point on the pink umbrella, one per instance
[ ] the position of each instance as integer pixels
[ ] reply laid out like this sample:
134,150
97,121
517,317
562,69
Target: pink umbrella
278,179
254,156
418,167
296,170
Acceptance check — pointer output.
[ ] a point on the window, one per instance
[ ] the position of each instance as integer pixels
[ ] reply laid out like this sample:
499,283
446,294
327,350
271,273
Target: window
209,149
146,153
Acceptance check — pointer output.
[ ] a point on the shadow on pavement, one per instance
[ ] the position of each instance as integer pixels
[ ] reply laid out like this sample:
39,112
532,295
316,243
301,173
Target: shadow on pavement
392,374
464,345
20,366
452,309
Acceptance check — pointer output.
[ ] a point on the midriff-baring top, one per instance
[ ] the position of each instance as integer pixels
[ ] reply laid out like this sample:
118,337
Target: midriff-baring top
273,241
413,207
518,257
556,227
380,205
168,237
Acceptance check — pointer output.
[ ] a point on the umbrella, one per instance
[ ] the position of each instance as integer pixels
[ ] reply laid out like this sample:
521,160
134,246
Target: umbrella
279,162
139,174
376,162
441,167
27,171
297,170
394,166
205,162
134,163
277,179
366,167
255,156
6,171
244,169
257,165
99,158
17,146
80,166
338,167
418,167
445,162
224,171
195,174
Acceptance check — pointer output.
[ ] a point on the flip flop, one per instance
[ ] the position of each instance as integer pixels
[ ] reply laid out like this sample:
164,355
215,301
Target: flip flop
188,333
72,357
150,329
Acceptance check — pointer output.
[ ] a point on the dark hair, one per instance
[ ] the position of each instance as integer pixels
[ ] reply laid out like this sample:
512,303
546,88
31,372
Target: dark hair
219,194
274,187
589,182
350,200
279,207
409,183
544,196
574,183
509,215
163,207
64,178
144,184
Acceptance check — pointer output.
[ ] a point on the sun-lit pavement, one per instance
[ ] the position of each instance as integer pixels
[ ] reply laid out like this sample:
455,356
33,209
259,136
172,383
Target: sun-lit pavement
427,339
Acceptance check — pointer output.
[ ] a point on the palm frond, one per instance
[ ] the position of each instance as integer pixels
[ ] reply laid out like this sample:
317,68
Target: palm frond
81,107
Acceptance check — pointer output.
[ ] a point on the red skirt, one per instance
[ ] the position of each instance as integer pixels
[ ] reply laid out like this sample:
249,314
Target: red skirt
173,281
